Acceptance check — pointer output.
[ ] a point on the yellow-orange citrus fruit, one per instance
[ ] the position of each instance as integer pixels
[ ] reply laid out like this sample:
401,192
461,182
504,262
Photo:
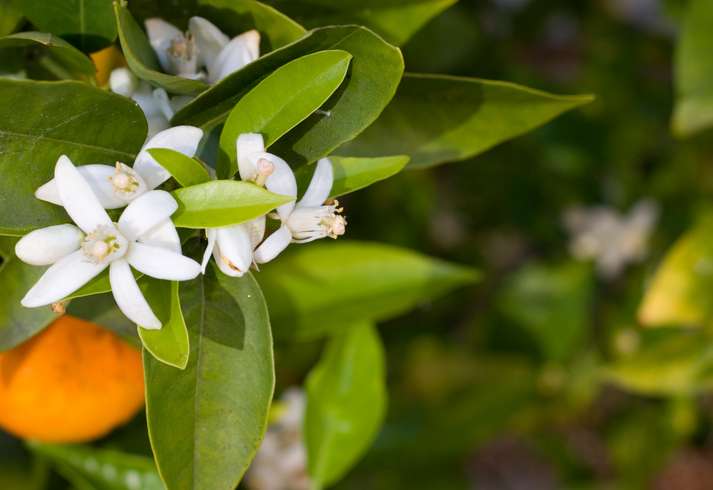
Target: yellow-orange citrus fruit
74,382
105,61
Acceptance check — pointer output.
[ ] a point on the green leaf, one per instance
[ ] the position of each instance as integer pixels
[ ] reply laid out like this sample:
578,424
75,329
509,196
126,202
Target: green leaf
102,310
169,344
101,468
87,24
186,170
141,57
18,323
374,74
206,422
311,286
351,174
437,119
69,58
222,203
87,124
395,20
10,16
346,402
272,110
693,110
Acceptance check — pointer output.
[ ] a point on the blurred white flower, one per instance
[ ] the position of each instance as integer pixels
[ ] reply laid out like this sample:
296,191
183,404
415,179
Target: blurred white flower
611,239
645,14
77,254
281,461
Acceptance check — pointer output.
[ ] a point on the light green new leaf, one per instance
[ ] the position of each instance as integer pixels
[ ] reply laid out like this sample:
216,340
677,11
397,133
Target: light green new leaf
87,24
346,403
375,71
437,119
10,16
87,124
396,20
272,110
353,173
222,203
693,73
206,422
68,58
169,344
142,59
186,170
101,469
323,288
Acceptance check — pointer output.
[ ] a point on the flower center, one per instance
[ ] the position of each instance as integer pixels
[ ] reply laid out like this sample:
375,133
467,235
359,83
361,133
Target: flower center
105,244
126,182
183,55
312,223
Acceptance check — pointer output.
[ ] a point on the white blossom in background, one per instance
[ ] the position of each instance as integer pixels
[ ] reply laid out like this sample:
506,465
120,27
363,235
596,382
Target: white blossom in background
77,254
281,460
648,15
609,238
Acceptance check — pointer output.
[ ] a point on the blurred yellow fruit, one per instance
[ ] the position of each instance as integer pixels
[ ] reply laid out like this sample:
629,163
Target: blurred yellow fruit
105,61
73,382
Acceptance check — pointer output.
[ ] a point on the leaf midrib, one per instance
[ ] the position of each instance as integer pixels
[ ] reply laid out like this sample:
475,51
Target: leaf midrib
196,398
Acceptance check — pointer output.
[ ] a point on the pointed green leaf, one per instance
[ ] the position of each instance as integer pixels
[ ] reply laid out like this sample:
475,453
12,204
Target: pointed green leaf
222,203
87,124
206,422
169,344
346,402
437,119
271,110
186,170
310,286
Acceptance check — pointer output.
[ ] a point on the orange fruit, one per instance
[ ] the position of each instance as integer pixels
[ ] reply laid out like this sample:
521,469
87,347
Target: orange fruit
105,61
73,382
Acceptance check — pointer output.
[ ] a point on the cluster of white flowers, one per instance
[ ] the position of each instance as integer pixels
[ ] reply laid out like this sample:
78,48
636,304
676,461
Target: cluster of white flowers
146,239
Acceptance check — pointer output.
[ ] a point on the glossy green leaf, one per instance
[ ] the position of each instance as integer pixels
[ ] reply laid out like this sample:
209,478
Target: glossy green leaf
271,110
101,469
66,57
223,202
186,170
87,24
354,173
311,286
206,422
395,20
374,74
169,344
87,124
346,402
693,110
142,59
10,16
437,119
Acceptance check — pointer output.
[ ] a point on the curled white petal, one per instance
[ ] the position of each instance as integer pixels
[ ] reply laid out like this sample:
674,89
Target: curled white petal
209,40
128,296
249,146
273,245
77,197
240,51
161,34
234,249
62,279
320,186
163,235
281,181
123,82
183,139
145,213
162,263
48,245
211,235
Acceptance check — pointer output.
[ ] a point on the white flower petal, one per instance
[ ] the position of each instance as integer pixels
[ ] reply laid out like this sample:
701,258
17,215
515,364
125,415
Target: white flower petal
128,296
156,124
257,230
162,263
77,197
149,104
240,51
249,146
320,186
211,234
163,235
163,102
235,249
62,279
161,33
209,40
48,245
183,139
123,82
145,213
273,245
281,181
97,176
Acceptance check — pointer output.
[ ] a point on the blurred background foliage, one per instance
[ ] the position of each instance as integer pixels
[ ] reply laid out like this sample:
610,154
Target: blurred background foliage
541,376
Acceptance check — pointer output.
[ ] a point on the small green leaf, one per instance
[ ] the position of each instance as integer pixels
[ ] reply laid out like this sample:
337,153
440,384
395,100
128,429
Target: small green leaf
222,203
272,110
354,173
310,286
169,344
206,422
141,57
346,402
186,170
437,119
